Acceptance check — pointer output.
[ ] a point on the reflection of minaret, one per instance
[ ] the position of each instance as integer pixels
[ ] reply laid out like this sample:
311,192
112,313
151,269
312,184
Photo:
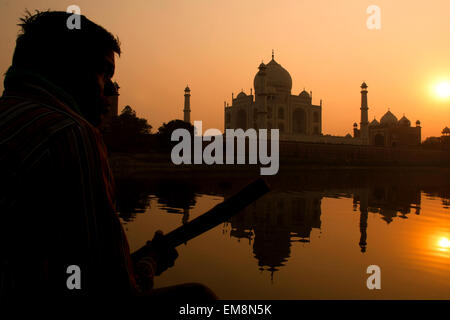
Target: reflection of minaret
364,125
364,210
187,105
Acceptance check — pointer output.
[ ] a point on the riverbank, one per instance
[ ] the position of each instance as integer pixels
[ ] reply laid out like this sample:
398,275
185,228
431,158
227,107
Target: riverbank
159,165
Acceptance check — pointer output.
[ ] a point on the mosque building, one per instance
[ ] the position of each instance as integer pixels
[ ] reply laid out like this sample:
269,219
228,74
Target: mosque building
389,131
273,106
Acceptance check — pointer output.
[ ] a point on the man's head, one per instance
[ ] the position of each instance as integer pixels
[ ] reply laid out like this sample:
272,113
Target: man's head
80,61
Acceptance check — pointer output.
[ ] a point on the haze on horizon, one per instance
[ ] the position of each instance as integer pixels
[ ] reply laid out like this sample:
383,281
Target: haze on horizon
215,47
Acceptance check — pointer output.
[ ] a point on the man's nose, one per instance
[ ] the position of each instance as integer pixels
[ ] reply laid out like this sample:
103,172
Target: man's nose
110,88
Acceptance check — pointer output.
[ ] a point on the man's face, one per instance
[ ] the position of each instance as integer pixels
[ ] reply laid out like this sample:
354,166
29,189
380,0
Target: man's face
106,74
94,91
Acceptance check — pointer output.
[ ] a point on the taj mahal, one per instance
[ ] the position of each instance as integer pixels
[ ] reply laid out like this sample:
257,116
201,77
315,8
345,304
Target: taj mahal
273,106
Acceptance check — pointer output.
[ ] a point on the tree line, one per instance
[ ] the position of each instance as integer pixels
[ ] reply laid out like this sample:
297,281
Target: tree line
129,133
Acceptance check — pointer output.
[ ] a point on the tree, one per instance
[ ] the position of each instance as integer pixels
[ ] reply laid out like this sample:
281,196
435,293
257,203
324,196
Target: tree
128,132
129,124
165,132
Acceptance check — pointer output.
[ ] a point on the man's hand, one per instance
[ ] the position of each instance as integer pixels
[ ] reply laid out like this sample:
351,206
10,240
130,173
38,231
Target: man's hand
152,259
163,254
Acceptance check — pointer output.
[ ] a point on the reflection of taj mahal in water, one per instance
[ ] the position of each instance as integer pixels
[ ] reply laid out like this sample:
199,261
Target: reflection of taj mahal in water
279,219
274,222
273,106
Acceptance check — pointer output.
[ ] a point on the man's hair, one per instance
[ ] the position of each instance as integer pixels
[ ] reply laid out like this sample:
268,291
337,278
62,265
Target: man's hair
46,44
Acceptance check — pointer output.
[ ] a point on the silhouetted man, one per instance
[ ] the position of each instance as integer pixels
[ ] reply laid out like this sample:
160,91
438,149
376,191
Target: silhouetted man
57,193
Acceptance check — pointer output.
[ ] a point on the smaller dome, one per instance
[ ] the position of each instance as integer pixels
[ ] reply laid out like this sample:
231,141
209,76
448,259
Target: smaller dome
374,122
187,89
348,135
388,119
304,94
355,125
418,123
404,122
364,85
262,66
241,95
446,130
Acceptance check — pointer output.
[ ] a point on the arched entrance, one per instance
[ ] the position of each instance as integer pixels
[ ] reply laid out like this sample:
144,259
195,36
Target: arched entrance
242,119
379,140
299,121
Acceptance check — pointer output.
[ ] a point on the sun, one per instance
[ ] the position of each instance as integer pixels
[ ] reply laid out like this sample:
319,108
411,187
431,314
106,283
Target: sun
444,243
442,90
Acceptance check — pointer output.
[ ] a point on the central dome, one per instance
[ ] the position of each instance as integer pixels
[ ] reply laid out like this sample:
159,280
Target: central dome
276,78
388,119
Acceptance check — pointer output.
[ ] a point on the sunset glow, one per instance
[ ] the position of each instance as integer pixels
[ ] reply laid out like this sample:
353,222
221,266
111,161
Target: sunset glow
444,243
216,48
253,151
443,89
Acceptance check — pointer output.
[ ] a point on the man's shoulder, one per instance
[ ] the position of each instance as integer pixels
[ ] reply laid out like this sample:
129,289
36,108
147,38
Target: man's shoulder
19,115
28,127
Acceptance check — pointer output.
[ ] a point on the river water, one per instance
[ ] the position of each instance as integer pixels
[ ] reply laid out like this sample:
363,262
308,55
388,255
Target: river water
312,237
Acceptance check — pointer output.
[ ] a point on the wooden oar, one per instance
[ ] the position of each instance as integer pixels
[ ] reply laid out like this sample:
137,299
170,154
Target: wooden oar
219,214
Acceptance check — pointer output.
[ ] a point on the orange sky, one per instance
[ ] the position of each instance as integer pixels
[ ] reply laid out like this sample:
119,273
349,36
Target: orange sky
215,46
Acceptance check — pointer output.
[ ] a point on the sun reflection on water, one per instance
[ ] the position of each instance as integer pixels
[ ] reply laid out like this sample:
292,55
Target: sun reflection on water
443,244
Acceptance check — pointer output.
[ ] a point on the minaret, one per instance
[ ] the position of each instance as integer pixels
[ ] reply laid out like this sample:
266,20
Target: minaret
187,105
364,124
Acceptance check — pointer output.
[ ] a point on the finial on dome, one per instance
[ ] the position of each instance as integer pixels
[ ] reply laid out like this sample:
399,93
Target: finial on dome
273,54
262,66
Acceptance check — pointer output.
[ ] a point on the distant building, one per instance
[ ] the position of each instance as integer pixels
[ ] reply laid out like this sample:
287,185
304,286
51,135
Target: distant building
389,132
187,105
442,142
273,106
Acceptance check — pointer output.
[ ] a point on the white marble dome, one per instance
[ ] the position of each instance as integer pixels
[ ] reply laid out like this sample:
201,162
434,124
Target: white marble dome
277,78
